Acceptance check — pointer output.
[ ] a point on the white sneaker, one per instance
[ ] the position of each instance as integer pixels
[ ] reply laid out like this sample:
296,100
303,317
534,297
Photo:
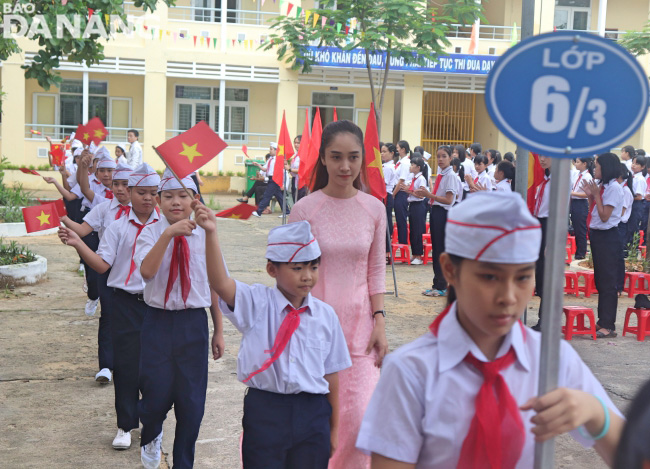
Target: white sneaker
122,440
91,307
104,376
150,453
417,262
255,214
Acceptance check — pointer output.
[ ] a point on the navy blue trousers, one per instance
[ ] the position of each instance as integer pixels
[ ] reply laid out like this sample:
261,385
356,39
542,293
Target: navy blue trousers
579,209
539,266
92,278
286,431
418,222
634,221
390,203
401,215
606,253
437,223
174,371
644,220
623,229
272,190
104,340
126,323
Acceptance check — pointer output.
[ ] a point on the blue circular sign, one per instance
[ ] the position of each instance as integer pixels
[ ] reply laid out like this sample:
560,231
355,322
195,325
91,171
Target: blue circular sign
567,94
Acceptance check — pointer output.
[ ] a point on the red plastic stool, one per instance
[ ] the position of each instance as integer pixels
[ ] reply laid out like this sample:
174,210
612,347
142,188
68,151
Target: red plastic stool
426,238
428,228
641,237
571,283
638,283
643,325
571,242
643,250
590,283
569,255
404,253
428,247
577,314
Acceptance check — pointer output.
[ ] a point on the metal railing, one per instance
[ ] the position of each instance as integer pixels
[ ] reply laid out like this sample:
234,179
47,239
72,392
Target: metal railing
131,9
58,132
213,15
251,139
485,31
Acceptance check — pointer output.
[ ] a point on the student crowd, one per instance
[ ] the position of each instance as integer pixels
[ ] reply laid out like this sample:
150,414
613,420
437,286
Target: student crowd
462,395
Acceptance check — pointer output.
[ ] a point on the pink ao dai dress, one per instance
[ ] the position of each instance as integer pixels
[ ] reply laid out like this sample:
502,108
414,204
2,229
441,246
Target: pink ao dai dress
352,237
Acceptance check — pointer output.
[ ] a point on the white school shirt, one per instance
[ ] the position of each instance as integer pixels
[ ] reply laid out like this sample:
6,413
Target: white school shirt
154,290
613,196
422,407
403,168
470,170
628,163
72,179
419,182
577,181
639,184
447,184
390,176
503,186
316,348
628,199
295,164
116,248
483,179
491,169
134,155
102,215
459,188
543,206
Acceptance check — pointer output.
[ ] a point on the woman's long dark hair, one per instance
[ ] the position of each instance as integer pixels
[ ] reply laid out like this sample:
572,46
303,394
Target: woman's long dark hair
320,177
458,168
462,153
591,164
405,145
627,177
508,170
609,167
633,448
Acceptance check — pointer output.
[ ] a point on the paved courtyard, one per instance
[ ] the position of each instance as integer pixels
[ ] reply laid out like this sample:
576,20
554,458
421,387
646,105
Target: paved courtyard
54,415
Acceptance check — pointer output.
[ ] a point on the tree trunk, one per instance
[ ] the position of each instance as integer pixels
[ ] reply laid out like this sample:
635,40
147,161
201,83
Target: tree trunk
384,82
372,85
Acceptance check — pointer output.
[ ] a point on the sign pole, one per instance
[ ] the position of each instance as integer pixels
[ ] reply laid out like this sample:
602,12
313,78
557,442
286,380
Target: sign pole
553,293
392,259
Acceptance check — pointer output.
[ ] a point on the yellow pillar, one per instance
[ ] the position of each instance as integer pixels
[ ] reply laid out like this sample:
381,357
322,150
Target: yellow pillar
155,108
287,102
504,144
544,16
411,115
13,105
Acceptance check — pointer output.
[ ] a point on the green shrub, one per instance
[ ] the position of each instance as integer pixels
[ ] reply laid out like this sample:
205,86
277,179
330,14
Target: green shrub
44,167
220,173
11,215
209,174
230,174
201,172
14,253
241,174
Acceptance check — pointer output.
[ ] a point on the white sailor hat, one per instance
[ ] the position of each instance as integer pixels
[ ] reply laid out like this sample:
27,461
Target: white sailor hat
122,146
78,151
101,152
106,162
293,242
144,176
169,182
274,145
122,171
426,155
493,227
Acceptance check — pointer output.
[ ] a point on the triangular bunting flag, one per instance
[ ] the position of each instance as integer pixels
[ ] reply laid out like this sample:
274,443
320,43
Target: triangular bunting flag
289,8
316,16
298,11
323,21
307,15
338,27
214,42
194,41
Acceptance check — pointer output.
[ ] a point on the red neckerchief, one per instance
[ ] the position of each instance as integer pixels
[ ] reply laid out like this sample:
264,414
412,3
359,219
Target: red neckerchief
575,186
282,338
108,193
122,210
540,195
180,263
140,228
494,408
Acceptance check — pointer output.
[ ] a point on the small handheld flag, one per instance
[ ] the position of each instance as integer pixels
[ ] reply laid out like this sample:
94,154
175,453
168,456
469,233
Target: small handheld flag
96,130
244,148
240,212
191,150
35,132
57,150
285,151
30,171
374,168
82,135
40,217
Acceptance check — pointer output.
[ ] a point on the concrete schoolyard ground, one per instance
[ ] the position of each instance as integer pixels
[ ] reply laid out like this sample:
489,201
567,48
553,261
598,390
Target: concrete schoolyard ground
54,415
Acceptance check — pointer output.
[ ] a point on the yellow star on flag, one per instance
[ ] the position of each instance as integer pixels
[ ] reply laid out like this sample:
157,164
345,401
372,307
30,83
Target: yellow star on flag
376,163
99,133
190,151
235,216
44,218
86,135
280,150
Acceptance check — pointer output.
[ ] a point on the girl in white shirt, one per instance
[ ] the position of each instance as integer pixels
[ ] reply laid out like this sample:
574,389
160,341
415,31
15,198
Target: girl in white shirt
505,177
417,207
482,180
626,180
494,158
579,207
607,200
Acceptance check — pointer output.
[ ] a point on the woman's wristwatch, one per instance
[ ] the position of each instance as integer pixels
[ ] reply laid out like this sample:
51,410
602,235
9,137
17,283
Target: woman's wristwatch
381,311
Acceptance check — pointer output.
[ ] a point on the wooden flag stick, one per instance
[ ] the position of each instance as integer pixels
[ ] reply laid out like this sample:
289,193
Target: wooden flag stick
172,171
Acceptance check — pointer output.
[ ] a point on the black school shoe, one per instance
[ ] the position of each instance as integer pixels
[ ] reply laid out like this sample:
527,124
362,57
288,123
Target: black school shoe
641,302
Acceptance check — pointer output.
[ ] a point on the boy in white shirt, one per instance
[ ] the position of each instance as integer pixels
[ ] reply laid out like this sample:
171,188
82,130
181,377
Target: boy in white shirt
134,155
639,188
291,406
174,339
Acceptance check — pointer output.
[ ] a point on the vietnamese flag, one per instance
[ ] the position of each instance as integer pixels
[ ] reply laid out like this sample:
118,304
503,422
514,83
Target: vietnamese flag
303,149
82,135
96,130
30,171
374,169
336,117
40,217
58,153
306,169
535,178
240,212
192,149
244,148
285,151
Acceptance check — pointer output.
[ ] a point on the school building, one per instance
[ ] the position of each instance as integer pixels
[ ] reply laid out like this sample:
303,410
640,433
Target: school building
200,60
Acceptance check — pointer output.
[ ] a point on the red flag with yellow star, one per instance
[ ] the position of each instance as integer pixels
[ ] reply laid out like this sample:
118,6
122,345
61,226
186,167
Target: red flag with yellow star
241,212
96,130
190,150
374,168
306,170
57,150
285,151
82,134
40,217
